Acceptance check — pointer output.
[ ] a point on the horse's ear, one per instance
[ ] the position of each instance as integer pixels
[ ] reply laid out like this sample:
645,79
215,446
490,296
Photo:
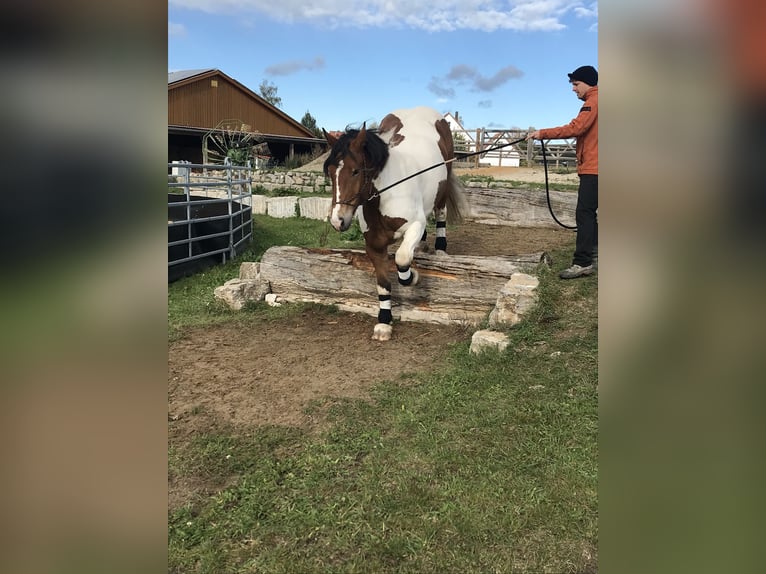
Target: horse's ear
331,139
361,139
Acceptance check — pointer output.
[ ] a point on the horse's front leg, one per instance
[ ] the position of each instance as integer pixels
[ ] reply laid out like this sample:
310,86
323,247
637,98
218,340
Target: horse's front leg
406,252
383,328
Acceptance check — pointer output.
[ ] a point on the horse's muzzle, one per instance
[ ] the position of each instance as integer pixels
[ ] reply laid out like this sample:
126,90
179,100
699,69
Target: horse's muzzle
341,217
340,225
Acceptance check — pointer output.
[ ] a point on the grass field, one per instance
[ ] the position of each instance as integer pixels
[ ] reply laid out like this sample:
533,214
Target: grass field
487,465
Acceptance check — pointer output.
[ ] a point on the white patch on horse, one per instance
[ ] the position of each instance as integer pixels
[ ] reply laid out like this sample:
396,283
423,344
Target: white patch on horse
334,218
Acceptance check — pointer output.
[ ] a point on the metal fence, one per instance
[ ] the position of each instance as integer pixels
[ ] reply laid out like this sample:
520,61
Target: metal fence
209,211
558,152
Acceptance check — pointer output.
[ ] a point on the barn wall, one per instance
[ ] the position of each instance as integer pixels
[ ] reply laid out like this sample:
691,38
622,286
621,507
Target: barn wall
202,104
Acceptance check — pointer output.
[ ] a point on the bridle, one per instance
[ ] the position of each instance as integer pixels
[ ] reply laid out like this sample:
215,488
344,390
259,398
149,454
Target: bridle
356,200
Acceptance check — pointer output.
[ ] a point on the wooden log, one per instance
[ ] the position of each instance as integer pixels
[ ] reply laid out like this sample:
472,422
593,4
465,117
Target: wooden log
520,207
451,288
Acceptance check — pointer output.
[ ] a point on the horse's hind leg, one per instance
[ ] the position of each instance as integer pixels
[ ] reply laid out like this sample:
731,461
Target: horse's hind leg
440,245
423,246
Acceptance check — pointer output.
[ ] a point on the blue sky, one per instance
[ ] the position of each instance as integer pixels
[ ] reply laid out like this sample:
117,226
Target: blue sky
501,64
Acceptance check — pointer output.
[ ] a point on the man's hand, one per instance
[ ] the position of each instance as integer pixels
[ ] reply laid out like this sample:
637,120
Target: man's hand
535,135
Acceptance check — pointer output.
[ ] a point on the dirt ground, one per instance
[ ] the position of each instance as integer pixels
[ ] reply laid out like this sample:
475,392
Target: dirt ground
268,374
531,174
235,377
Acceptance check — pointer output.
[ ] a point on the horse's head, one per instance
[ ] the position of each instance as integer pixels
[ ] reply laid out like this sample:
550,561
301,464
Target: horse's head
355,159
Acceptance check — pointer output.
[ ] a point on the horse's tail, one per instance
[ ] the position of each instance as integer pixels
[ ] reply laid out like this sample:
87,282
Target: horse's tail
457,204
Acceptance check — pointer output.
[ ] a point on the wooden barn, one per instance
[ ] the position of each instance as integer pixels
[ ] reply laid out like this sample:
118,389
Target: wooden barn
207,107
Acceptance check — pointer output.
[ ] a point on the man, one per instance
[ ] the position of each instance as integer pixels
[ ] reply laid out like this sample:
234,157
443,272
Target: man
584,127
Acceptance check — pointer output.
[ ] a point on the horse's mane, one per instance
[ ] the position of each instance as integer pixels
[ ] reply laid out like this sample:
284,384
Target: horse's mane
376,148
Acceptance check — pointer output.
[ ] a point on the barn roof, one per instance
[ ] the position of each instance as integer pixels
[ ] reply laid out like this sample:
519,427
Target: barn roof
180,78
179,75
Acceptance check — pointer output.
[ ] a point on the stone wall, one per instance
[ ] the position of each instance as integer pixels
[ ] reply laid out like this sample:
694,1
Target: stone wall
300,181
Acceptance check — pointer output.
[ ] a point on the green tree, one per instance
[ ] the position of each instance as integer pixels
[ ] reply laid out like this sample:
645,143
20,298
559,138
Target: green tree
459,141
308,121
269,93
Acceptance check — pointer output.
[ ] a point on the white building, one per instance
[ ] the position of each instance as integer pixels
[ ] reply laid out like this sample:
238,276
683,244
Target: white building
504,157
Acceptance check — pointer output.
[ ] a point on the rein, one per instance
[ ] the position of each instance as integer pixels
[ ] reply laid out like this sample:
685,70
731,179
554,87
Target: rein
462,156
465,155
548,193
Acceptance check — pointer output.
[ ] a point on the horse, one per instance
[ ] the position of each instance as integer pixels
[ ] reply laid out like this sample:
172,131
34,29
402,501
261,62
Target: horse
363,161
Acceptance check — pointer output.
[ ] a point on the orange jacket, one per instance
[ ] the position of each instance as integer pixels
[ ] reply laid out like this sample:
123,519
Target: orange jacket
585,128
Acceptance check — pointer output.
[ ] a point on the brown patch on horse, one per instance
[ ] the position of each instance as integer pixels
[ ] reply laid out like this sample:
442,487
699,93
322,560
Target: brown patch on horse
442,193
381,227
447,148
392,123
446,145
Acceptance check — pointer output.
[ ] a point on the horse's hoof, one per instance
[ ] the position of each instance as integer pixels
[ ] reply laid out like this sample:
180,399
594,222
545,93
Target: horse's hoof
382,332
440,253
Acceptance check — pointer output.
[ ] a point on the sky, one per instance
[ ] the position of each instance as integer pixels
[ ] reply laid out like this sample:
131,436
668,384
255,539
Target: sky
500,64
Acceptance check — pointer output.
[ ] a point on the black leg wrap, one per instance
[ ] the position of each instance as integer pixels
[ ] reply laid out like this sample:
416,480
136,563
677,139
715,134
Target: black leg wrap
441,244
384,316
425,235
407,281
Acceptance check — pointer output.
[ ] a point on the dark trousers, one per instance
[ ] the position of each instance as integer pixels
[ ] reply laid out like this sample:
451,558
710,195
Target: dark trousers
587,223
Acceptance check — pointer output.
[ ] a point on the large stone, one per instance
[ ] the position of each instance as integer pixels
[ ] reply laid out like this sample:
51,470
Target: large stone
315,207
514,300
259,204
250,270
520,207
237,292
486,339
281,207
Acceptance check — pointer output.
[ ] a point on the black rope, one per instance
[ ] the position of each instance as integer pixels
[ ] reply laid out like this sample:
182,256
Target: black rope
462,156
548,192
465,155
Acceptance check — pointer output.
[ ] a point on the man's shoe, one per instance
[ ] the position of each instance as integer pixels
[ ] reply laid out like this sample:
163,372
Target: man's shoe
576,271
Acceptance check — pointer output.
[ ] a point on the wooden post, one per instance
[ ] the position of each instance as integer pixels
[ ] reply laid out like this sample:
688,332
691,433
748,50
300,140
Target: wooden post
478,147
530,150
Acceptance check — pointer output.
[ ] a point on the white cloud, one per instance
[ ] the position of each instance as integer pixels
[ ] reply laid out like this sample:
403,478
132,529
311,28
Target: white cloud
293,66
589,11
445,15
464,74
176,29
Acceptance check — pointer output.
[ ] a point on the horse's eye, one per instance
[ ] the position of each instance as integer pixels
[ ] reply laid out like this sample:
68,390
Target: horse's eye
354,172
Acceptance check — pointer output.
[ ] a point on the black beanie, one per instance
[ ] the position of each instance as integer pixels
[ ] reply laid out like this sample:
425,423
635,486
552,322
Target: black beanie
586,74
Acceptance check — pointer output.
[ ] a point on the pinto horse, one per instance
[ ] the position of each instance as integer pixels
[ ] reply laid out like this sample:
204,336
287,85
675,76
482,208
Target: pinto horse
363,161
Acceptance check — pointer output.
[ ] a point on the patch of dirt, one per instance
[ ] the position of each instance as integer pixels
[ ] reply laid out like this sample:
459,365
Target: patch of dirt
528,174
243,377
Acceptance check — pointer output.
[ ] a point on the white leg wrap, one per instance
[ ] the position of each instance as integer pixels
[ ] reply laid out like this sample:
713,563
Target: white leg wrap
382,332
